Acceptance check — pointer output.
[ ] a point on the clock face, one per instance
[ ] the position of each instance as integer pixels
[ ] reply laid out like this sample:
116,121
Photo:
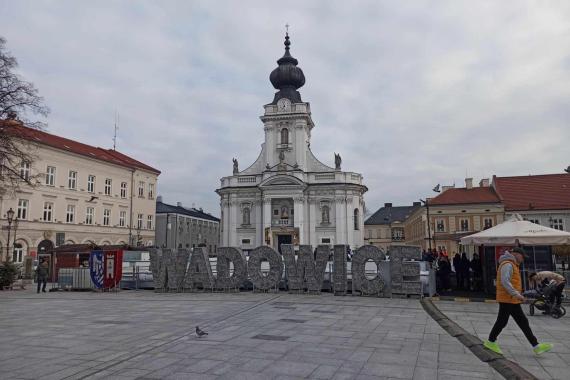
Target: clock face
284,105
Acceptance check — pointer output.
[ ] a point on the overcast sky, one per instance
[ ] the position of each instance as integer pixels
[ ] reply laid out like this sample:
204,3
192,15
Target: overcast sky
410,93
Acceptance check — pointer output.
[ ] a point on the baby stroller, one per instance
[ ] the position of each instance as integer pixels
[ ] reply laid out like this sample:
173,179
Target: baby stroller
541,300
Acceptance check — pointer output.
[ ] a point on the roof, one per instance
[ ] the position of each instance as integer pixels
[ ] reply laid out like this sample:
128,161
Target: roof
163,208
459,196
40,137
534,192
388,215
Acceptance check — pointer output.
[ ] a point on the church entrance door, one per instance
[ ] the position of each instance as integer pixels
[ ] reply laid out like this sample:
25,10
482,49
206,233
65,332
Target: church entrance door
283,239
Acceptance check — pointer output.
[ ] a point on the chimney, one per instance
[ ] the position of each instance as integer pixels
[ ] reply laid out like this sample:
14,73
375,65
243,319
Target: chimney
447,187
387,204
417,204
179,204
468,183
484,182
159,198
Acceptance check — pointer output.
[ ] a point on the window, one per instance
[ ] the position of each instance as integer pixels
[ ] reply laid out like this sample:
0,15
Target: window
140,221
91,183
70,214
50,176
397,234
23,209
356,219
89,215
326,240
48,211
284,136
275,212
141,189
325,215
123,189
149,222
464,225
487,223
108,186
246,241
106,217
557,224
18,253
535,221
246,216
72,180
439,225
25,170
122,218
151,191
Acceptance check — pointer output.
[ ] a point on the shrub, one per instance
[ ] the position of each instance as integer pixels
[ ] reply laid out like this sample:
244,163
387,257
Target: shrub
8,274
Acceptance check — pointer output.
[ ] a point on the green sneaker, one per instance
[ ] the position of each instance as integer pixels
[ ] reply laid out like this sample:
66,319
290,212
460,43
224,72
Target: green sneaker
541,348
493,346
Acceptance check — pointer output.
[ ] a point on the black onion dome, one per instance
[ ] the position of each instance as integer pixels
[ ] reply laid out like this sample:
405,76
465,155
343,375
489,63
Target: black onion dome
287,77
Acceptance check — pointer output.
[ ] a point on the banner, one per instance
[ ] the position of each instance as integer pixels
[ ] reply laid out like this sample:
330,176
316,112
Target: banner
106,268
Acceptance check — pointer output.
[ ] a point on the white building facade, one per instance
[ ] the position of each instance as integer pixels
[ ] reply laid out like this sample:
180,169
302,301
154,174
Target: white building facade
287,196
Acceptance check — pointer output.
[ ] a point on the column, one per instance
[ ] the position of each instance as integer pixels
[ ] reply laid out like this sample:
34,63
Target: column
312,222
225,223
258,205
266,217
232,223
339,217
299,218
350,232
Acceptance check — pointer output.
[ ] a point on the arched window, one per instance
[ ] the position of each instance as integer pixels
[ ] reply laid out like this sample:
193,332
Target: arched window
356,220
284,136
246,216
18,253
325,215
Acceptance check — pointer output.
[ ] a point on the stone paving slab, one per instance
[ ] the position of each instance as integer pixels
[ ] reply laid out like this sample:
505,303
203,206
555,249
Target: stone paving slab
478,319
145,335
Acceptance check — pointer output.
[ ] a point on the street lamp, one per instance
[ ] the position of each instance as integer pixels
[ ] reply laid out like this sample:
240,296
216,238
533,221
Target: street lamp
426,203
16,222
9,217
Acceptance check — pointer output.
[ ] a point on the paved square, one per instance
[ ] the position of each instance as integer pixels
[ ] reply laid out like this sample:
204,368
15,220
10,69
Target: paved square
146,335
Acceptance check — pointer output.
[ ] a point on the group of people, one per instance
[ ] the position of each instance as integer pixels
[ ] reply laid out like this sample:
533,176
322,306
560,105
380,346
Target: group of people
465,270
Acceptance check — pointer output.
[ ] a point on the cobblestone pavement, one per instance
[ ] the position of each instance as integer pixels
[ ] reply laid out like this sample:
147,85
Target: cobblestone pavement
478,318
145,335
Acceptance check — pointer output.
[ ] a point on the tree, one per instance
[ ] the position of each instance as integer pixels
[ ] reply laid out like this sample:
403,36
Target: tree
18,101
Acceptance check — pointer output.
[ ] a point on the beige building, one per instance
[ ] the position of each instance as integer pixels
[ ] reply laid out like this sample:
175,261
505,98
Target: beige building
454,213
84,194
386,226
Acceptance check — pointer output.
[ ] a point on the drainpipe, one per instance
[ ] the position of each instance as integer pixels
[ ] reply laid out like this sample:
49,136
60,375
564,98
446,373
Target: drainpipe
131,209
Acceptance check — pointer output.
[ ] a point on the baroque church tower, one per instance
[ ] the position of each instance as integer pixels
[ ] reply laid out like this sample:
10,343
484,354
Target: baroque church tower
287,196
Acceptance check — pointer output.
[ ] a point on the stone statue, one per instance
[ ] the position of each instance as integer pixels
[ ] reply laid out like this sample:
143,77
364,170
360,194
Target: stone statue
337,161
281,156
236,170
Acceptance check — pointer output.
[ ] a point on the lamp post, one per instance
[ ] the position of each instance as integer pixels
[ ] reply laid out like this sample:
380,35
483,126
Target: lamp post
426,202
16,222
10,218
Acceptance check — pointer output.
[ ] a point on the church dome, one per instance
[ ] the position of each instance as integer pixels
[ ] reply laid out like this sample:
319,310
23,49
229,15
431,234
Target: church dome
287,77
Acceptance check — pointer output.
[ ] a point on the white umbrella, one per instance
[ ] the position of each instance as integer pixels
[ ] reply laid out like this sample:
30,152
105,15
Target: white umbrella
517,231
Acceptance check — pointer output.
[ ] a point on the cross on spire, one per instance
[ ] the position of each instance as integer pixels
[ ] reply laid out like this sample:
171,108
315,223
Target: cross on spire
287,29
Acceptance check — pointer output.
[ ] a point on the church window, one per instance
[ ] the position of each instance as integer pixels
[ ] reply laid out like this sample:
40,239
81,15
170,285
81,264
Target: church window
246,216
325,215
284,136
356,219
276,212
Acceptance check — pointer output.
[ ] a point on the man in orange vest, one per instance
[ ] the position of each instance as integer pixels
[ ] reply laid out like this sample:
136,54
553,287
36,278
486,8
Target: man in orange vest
510,298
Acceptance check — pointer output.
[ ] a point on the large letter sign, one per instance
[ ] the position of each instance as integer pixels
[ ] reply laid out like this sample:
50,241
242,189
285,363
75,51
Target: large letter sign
359,279
305,272
227,256
96,269
199,271
271,281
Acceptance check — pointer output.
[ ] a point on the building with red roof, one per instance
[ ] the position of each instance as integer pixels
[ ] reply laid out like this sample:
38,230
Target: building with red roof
79,194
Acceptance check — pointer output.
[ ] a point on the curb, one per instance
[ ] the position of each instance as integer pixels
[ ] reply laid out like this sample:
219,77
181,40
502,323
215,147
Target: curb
507,368
461,299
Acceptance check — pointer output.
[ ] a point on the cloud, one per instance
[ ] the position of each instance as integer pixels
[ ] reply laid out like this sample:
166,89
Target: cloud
411,94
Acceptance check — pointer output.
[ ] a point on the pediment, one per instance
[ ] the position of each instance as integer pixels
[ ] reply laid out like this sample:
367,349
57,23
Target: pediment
283,181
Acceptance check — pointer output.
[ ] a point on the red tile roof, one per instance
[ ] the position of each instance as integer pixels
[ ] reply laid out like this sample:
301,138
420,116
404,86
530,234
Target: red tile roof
40,137
459,196
534,192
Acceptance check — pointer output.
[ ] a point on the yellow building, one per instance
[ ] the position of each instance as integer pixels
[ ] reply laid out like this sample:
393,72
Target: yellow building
386,226
84,194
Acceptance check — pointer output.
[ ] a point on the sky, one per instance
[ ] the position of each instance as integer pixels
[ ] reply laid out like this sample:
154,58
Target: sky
411,93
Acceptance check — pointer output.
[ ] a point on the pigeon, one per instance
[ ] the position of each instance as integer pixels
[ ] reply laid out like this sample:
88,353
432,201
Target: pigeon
567,170
200,333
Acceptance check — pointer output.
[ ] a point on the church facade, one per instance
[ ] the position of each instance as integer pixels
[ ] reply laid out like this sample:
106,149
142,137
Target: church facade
287,196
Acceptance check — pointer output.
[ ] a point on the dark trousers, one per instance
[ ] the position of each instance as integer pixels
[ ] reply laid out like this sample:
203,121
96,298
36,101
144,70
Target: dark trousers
557,294
40,282
507,310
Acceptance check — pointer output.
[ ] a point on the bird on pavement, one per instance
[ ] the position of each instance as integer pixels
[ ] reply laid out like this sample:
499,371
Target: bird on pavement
200,333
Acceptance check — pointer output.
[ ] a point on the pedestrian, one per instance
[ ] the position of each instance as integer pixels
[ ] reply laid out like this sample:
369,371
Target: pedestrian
510,298
443,272
458,271
477,271
42,275
465,264
560,282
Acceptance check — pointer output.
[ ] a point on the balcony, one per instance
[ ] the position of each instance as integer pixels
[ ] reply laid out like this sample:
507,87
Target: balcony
283,222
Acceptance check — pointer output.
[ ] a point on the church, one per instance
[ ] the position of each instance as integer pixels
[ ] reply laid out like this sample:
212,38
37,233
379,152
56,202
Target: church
288,196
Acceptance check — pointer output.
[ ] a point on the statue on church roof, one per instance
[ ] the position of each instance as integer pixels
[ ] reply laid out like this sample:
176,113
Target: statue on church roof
236,170
337,161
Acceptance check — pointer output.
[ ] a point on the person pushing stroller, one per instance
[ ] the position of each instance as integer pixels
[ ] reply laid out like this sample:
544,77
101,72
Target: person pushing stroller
550,279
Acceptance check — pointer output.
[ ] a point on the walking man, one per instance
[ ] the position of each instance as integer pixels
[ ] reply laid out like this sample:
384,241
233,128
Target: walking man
42,275
510,298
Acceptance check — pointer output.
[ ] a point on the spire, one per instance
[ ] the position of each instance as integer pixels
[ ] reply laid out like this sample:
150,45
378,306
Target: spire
287,77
